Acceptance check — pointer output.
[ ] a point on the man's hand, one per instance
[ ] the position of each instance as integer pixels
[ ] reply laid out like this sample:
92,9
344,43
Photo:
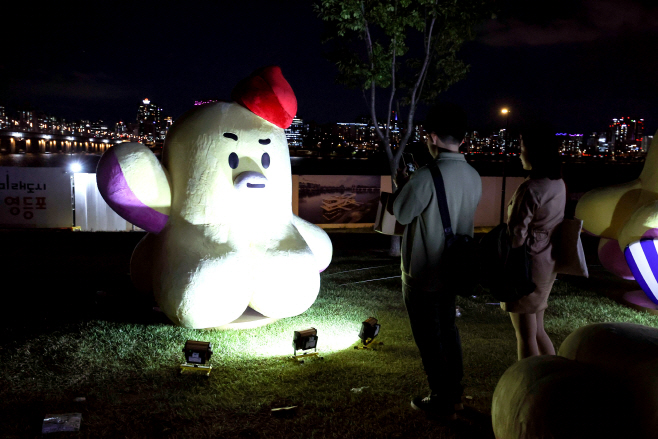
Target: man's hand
401,177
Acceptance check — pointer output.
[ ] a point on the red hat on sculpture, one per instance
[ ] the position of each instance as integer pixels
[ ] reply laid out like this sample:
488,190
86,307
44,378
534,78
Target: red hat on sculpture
267,94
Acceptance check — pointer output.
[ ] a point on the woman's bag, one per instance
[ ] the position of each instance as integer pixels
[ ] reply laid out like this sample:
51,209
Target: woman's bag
385,221
505,271
568,250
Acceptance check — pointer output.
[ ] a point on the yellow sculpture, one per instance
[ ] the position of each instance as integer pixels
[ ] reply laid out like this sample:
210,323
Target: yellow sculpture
625,216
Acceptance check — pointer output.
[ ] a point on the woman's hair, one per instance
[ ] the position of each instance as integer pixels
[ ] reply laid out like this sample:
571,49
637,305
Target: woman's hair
542,151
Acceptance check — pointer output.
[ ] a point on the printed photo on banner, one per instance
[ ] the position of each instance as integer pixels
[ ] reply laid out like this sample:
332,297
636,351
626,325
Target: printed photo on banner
339,199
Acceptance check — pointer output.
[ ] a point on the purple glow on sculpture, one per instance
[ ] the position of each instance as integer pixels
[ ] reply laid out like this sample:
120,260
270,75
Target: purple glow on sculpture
650,234
613,260
115,190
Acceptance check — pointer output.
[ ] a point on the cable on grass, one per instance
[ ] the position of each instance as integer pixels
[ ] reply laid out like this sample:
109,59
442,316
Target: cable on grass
369,280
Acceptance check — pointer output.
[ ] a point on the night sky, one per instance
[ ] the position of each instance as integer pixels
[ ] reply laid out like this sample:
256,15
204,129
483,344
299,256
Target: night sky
578,63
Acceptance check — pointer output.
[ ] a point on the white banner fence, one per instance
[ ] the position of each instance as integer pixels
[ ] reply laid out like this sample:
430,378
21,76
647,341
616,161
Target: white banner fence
56,198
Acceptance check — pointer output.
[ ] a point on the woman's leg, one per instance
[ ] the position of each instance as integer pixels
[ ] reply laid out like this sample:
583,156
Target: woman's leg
525,326
544,343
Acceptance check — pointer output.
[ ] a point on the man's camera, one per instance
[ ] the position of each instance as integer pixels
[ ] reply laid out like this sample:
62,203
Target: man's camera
409,163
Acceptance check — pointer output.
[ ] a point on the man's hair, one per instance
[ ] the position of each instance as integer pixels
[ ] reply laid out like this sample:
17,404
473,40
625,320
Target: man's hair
542,149
447,121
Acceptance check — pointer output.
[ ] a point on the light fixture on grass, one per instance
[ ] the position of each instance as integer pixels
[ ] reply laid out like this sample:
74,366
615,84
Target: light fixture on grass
305,340
197,356
369,330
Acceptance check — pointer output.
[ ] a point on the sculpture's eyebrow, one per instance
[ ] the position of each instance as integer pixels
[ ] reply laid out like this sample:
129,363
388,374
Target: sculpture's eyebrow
231,136
263,141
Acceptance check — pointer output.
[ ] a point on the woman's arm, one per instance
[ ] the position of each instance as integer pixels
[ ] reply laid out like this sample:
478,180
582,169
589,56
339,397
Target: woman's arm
523,210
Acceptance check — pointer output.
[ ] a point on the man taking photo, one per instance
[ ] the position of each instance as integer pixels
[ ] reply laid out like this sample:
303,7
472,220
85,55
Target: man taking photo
429,299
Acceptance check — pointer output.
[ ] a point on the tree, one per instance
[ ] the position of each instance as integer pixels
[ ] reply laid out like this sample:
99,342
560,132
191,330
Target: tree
407,48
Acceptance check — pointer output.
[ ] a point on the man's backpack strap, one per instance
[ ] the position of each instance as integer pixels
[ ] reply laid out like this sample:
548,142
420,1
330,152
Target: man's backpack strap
443,202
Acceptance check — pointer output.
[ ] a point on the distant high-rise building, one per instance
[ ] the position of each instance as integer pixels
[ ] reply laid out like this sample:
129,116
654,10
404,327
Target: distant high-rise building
626,133
3,117
149,117
121,128
26,120
294,133
646,142
570,143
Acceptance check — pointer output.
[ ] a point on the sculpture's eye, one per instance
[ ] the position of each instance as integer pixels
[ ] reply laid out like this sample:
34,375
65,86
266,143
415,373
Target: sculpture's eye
265,160
234,161
264,141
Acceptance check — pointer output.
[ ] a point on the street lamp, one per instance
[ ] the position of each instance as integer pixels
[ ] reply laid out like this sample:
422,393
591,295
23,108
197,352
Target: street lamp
505,112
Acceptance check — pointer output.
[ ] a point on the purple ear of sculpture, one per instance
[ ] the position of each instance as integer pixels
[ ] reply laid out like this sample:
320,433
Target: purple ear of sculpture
613,260
117,194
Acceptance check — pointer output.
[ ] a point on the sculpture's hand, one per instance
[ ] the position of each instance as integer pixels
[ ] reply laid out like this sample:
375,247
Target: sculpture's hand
317,240
135,185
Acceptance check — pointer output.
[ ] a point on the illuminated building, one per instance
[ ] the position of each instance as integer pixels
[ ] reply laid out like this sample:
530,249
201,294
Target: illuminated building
26,121
149,117
625,134
358,135
646,142
294,133
571,144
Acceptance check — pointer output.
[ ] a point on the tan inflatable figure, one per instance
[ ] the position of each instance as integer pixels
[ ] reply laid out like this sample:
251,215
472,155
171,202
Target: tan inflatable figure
602,384
219,211
625,216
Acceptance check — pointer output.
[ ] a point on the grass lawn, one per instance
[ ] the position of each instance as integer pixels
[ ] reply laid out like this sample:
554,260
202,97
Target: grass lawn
122,357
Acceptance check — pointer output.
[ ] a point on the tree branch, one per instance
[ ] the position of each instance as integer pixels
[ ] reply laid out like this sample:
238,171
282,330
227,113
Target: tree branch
373,86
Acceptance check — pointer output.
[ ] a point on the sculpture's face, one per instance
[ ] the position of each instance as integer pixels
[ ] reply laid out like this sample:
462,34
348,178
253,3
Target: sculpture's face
227,164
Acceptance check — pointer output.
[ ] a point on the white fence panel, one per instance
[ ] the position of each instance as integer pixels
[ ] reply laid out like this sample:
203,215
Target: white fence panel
488,211
92,213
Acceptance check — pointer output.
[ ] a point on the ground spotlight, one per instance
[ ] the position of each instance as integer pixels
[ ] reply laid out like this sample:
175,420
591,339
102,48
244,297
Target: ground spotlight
369,330
305,340
75,167
197,355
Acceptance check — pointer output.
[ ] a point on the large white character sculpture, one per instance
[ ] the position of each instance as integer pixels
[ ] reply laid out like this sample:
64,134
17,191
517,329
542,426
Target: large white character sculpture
219,211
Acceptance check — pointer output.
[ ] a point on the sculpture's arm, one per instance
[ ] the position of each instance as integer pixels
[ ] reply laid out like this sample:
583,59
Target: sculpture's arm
135,185
643,224
604,211
317,240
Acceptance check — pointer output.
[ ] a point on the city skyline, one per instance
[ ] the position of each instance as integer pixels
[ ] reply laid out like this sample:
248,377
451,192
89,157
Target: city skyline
577,63
159,117
624,136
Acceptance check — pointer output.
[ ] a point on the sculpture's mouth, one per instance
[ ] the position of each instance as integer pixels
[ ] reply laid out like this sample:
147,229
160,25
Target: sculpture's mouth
250,180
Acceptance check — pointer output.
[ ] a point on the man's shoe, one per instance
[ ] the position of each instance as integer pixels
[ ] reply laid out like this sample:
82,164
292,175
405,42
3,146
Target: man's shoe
434,407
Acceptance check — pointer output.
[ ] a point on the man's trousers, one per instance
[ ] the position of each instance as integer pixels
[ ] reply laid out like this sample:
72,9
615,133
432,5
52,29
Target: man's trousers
432,317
